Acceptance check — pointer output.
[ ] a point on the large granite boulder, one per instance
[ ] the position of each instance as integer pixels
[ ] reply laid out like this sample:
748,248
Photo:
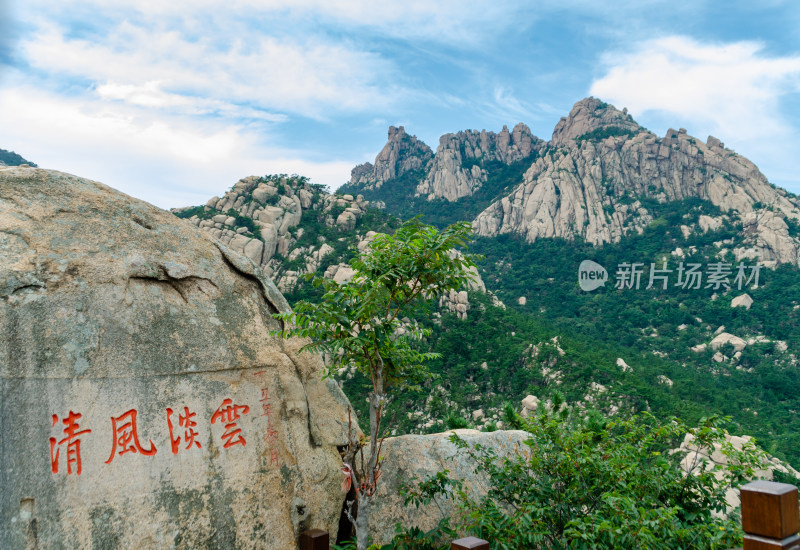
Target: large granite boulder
409,457
144,402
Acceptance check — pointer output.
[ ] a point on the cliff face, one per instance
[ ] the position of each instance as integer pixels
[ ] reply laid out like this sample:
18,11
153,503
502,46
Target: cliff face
456,169
594,179
602,164
279,222
402,153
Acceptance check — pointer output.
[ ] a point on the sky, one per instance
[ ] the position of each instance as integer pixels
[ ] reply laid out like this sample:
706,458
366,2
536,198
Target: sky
173,101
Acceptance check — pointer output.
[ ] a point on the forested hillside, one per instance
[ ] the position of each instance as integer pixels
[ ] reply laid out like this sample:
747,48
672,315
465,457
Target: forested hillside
699,313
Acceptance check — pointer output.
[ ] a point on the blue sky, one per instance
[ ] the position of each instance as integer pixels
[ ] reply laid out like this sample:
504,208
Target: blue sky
172,101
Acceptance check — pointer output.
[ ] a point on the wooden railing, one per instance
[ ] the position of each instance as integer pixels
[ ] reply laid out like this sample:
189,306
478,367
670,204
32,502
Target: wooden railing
770,521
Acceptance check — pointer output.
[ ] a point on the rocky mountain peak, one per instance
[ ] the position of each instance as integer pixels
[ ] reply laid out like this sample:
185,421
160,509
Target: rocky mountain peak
459,167
401,154
588,115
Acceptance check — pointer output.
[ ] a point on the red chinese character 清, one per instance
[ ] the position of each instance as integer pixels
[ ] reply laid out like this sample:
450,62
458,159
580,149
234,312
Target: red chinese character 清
71,431
228,413
126,436
185,421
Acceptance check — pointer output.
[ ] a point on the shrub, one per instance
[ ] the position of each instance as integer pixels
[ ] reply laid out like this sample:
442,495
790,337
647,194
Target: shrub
587,481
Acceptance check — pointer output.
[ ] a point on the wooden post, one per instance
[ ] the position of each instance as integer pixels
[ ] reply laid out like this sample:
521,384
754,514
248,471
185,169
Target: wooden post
314,539
469,543
770,516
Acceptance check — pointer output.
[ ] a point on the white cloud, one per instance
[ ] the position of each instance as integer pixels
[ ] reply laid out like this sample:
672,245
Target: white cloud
450,21
733,86
733,91
167,161
309,77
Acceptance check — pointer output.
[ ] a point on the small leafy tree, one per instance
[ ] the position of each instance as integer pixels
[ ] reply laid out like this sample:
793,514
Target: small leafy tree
360,323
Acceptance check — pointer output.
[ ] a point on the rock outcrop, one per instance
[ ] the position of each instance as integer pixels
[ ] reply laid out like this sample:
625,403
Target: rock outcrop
744,301
260,217
603,162
724,338
703,459
410,457
455,171
145,403
402,153
594,179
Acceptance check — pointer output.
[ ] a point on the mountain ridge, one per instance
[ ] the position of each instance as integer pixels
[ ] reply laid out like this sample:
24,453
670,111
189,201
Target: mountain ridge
590,181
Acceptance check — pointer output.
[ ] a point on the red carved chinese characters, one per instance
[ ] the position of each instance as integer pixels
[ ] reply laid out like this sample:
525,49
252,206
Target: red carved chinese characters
126,436
185,421
270,436
71,432
228,413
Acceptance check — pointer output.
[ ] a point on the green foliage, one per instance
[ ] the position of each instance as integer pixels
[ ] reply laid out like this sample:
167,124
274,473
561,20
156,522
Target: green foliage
245,221
361,323
358,322
199,211
455,422
793,225
599,134
10,158
587,481
594,329
398,194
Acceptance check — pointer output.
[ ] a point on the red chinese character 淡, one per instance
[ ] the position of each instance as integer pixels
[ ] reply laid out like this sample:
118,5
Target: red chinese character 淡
189,434
126,436
71,432
228,413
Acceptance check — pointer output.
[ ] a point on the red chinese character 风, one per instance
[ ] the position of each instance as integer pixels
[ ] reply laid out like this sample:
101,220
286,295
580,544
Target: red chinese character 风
71,431
228,413
273,458
185,421
126,436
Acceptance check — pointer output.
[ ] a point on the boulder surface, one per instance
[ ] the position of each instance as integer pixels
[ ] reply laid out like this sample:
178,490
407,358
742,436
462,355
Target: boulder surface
144,402
417,457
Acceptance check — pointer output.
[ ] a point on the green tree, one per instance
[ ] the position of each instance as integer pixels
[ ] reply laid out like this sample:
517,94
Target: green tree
361,323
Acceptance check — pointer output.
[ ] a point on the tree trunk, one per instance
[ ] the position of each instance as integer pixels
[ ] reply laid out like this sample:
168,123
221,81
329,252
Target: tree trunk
376,401
362,522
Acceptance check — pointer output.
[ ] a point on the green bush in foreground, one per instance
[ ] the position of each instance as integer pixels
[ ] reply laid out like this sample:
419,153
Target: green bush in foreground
586,481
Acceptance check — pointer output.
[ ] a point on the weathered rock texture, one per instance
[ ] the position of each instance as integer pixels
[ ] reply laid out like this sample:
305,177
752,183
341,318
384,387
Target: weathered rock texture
703,459
592,180
420,456
454,172
278,209
283,210
144,402
602,162
401,154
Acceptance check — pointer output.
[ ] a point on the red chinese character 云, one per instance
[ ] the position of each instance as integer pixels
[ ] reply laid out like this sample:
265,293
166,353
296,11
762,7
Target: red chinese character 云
228,413
185,421
126,436
71,431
